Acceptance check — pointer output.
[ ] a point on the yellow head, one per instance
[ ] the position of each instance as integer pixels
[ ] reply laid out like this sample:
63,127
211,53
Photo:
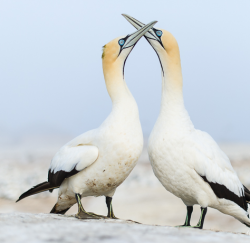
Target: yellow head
163,43
166,48
116,51
114,56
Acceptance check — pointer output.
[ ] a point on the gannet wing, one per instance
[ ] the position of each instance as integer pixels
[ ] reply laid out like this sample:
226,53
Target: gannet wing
215,168
70,160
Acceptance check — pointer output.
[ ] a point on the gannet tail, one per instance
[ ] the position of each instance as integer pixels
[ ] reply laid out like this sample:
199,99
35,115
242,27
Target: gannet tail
42,187
247,195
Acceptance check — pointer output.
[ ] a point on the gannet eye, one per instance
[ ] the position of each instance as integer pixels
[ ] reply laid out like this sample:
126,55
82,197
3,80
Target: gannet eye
159,33
121,42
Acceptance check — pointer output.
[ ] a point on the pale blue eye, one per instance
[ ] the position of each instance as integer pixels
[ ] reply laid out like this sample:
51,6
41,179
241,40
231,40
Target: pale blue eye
159,33
121,42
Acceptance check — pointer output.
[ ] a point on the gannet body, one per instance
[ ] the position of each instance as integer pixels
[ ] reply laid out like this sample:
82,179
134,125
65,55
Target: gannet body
187,161
98,161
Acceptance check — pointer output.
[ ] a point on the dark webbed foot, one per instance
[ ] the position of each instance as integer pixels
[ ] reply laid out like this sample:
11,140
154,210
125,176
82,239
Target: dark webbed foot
113,217
85,215
111,214
130,220
82,214
97,215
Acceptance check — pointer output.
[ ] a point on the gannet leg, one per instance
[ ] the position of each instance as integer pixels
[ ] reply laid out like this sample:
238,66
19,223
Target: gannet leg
110,208
111,212
202,218
188,217
82,214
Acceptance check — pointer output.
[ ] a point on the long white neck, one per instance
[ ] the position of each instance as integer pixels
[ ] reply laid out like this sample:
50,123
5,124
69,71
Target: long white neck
122,99
173,111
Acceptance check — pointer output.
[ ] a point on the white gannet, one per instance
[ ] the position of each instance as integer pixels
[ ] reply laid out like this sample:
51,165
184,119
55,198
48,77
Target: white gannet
98,161
188,162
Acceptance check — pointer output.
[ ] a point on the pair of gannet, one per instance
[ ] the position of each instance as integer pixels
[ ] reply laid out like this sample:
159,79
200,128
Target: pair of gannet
188,162
98,161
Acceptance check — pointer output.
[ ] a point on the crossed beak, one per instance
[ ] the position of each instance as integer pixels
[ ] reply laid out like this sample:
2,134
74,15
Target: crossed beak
150,34
131,40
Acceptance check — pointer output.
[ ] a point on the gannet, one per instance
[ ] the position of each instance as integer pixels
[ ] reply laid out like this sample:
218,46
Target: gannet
187,161
98,161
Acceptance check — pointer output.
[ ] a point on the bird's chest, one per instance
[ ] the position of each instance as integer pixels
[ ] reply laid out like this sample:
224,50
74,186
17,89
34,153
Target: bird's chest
166,157
121,142
121,154
117,158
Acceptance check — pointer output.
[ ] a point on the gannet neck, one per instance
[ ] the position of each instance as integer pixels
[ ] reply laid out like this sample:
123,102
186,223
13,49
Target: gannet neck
115,83
172,102
171,81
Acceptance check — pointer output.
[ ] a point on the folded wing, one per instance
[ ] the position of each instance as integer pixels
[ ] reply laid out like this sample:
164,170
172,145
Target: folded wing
215,168
70,160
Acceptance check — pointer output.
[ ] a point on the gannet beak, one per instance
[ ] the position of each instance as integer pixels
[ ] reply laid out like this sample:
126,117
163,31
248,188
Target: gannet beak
131,40
152,33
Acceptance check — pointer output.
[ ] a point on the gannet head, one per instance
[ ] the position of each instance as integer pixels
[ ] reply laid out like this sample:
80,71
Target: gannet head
162,41
116,51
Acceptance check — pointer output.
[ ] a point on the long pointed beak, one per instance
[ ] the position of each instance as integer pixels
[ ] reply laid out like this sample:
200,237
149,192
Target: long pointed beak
150,34
132,39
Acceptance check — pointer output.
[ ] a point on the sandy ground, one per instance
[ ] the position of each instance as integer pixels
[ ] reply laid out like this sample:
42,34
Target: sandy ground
141,197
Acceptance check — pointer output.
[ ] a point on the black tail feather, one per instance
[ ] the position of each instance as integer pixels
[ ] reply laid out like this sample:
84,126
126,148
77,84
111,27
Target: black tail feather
37,189
53,210
247,194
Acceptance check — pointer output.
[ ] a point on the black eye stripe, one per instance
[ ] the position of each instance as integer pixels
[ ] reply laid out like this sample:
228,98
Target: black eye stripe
125,38
121,46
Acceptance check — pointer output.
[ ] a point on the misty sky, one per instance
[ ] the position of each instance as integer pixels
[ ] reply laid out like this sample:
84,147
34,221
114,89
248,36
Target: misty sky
51,78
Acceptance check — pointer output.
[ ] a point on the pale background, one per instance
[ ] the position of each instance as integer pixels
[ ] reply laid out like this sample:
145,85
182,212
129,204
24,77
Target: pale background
52,89
51,70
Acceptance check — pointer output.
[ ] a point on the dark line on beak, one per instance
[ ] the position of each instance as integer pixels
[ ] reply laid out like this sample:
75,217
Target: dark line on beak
157,55
126,59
